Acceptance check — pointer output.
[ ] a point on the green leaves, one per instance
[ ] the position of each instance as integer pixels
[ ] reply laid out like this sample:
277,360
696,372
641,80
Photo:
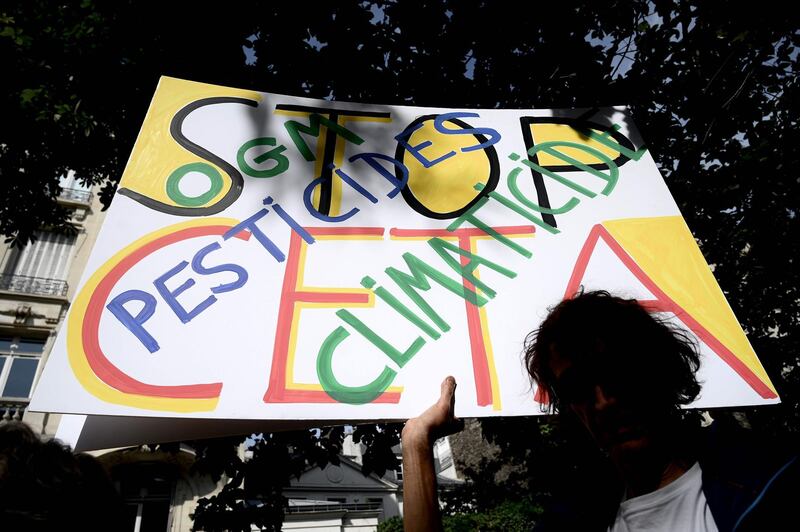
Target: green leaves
253,490
28,95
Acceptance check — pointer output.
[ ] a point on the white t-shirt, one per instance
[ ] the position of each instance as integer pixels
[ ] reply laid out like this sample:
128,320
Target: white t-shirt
679,506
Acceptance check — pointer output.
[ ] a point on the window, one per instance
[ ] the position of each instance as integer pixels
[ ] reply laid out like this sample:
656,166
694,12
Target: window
444,456
48,257
341,500
398,472
41,267
69,181
19,360
146,490
73,189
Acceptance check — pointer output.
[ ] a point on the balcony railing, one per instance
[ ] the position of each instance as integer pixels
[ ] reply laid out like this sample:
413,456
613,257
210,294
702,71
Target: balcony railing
33,285
445,462
334,507
12,410
76,194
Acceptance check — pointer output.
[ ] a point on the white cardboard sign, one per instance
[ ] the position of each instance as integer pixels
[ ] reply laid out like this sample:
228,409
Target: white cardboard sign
269,257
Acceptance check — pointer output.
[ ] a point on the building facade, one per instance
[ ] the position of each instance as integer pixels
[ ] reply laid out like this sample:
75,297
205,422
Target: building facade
37,283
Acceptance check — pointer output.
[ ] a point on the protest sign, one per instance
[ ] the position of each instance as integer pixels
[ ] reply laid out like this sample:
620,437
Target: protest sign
271,257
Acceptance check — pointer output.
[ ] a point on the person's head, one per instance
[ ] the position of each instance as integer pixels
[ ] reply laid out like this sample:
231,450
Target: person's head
624,373
44,486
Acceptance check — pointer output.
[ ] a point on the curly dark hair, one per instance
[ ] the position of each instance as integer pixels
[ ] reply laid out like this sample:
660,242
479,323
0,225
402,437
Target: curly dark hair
652,361
44,486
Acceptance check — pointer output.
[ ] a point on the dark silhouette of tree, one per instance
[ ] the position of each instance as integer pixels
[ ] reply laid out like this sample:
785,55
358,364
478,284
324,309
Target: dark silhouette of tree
711,86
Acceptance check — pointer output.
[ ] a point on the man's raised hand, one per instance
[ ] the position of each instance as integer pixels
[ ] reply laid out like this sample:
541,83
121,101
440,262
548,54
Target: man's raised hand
437,421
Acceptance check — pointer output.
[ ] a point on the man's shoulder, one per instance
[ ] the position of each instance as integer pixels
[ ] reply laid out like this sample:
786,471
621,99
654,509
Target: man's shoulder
728,450
747,479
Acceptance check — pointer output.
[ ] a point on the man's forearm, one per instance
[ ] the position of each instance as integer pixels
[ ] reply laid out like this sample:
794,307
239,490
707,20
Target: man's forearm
420,499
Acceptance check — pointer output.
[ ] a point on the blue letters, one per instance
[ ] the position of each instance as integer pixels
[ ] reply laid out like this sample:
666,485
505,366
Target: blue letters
197,266
371,159
416,151
171,296
494,136
134,324
315,213
263,239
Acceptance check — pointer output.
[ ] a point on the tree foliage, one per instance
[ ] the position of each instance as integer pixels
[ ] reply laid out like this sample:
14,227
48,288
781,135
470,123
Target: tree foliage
710,85
253,489
508,516
253,493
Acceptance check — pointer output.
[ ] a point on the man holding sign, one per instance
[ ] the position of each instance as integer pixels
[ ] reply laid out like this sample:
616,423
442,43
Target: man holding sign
625,376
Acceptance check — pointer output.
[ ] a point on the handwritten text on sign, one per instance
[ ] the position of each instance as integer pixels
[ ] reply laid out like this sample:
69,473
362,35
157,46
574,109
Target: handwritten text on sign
414,193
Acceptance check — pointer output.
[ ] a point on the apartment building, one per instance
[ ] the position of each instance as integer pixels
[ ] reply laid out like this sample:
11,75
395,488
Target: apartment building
37,283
